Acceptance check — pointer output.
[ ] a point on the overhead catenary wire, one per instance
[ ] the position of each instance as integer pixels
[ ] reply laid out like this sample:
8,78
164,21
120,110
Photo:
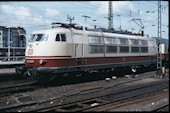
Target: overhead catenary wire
89,6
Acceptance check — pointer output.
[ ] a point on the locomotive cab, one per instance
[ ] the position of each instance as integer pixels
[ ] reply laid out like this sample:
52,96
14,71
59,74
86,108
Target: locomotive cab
46,48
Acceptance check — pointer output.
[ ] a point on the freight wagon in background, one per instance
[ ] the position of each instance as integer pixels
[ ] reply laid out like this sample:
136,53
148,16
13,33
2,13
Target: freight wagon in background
12,43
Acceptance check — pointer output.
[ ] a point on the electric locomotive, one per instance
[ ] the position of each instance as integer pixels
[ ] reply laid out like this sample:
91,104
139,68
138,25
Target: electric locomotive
67,48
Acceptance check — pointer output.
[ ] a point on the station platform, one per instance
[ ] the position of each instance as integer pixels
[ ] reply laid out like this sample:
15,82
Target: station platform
3,63
7,71
9,65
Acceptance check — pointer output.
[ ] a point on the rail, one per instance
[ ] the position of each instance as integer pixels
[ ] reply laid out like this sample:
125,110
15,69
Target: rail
73,104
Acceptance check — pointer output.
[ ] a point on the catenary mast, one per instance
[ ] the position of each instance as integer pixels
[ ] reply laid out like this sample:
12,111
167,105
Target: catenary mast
110,16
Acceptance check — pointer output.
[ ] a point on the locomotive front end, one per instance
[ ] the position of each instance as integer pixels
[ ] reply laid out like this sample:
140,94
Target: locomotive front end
46,51
36,47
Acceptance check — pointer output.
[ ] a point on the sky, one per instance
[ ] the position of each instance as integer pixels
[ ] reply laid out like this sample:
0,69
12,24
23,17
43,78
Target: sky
40,14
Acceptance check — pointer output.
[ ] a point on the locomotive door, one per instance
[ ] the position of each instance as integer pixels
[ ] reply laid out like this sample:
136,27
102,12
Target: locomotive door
79,54
78,49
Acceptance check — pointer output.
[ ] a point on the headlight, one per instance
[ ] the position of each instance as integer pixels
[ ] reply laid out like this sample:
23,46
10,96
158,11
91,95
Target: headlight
41,61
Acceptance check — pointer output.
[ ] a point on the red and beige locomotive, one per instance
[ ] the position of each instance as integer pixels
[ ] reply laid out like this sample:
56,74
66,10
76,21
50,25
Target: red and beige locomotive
67,48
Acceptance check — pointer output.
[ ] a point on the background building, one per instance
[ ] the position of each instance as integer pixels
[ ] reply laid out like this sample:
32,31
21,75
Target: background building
12,43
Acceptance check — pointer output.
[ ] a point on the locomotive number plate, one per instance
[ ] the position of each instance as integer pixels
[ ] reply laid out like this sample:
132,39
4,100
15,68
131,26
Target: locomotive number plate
30,61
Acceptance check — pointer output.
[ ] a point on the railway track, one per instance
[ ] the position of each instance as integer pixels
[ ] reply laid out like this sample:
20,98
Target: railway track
9,77
129,104
162,108
10,87
6,88
102,103
68,102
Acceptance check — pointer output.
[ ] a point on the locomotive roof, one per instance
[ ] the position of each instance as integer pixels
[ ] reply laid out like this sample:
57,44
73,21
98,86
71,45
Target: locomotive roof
89,32
49,30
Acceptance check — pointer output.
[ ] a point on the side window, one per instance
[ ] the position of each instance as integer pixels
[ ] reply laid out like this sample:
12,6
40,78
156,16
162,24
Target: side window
63,37
96,49
123,41
0,33
57,37
124,49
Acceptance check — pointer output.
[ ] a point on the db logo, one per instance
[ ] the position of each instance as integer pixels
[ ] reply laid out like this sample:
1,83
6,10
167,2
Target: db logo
30,51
